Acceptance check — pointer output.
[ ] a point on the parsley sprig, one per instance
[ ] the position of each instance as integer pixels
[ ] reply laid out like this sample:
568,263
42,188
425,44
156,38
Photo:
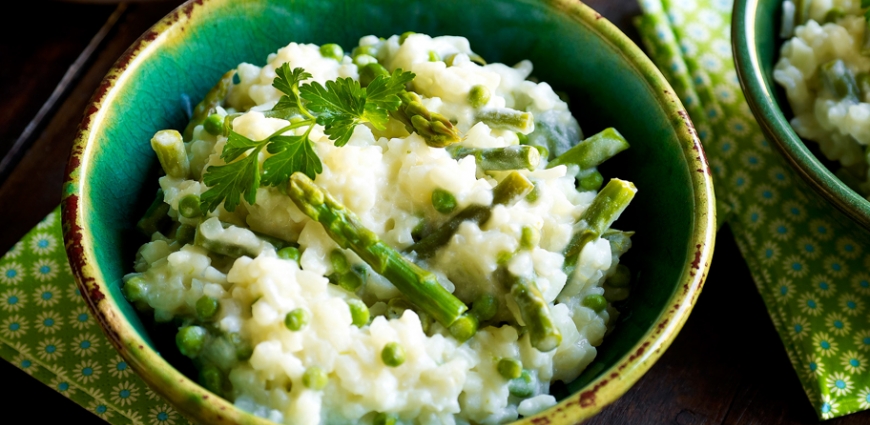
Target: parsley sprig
339,107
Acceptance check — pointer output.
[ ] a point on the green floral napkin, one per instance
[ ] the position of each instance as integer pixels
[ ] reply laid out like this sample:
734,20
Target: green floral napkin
47,331
809,267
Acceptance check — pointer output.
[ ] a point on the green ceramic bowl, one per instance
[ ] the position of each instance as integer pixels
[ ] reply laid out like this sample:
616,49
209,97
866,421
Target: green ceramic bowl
111,174
755,30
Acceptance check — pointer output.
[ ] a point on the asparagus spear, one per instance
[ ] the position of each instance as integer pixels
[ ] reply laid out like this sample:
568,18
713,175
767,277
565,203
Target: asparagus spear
506,158
434,128
156,216
507,119
169,147
839,80
513,188
214,98
593,151
604,210
420,286
543,333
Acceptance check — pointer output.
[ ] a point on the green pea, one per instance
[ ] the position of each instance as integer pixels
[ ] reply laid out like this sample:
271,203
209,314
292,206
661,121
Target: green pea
620,278
363,60
443,201
359,312
365,50
485,307
384,419
332,50
135,289
478,96
522,387
212,378
289,253
190,340
188,206
434,56
592,181
393,355
207,307
595,302
338,261
214,124
296,319
354,279
510,368
370,71
530,237
185,234
314,378
404,36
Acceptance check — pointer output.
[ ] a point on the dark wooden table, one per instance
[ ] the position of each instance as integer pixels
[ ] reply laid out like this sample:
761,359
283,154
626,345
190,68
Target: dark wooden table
721,369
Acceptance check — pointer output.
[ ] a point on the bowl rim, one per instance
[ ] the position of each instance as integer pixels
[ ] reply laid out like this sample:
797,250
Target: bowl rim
194,402
776,127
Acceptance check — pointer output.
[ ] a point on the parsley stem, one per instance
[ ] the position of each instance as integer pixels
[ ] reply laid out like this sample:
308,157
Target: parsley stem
295,125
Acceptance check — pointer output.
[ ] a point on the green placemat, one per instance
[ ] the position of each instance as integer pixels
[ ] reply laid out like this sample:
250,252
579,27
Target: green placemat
810,268
47,331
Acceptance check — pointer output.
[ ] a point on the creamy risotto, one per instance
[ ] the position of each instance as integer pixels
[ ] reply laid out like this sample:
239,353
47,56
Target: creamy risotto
824,67
402,234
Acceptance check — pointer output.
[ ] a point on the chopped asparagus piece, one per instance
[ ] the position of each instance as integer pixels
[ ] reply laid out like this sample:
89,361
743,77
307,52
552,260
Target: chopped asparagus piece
434,128
169,147
214,98
517,157
839,80
507,119
604,210
593,151
543,332
511,189
464,327
420,286
156,216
